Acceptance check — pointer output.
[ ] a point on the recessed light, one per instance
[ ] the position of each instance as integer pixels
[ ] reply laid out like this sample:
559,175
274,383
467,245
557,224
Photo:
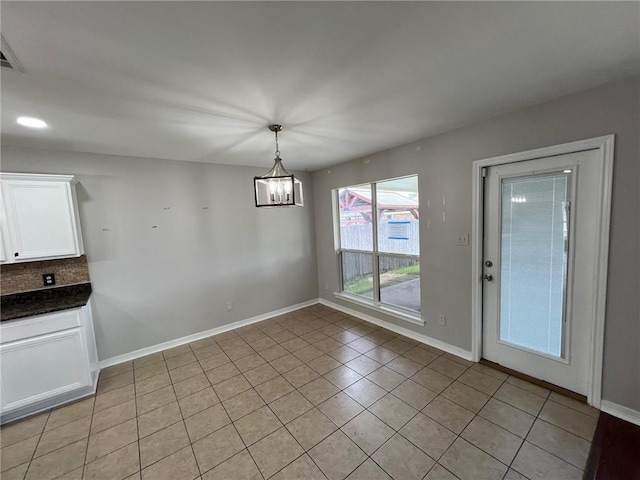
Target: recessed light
31,122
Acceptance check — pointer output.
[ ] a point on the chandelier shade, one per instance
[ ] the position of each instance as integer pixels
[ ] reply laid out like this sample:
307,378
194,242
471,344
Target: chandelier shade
278,187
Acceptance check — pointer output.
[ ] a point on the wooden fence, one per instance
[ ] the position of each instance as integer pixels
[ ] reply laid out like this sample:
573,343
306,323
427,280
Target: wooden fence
359,237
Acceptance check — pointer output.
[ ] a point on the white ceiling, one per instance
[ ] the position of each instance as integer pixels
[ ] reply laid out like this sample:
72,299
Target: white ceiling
200,81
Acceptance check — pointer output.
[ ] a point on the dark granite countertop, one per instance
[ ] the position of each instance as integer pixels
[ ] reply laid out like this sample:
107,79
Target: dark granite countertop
37,302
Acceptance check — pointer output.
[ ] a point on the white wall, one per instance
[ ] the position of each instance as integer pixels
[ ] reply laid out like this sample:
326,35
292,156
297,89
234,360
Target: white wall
444,166
152,285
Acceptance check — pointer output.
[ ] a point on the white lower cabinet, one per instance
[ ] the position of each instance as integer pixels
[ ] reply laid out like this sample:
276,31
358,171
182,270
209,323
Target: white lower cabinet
46,360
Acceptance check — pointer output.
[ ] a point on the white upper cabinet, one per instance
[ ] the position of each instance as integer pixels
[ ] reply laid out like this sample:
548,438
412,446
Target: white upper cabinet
3,254
39,217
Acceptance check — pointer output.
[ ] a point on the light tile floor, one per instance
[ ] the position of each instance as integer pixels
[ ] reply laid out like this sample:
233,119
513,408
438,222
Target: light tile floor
312,394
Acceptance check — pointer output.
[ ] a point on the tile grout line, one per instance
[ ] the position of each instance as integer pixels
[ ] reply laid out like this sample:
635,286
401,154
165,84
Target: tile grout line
68,444
305,452
542,448
152,410
183,422
87,437
525,439
135,402
476,414
232,422
382,364
546,399
33,455
283,426
193,393
338,428
296,389
357,336
397,432
93,408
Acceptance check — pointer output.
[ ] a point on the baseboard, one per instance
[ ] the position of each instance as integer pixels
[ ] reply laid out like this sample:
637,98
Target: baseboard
259,318
447,347
197,336
624,413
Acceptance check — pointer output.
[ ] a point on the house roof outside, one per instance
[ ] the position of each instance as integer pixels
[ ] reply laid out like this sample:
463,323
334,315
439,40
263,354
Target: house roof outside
386,200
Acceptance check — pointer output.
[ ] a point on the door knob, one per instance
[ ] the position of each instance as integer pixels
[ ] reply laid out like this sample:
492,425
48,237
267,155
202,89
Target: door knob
488,277
488,263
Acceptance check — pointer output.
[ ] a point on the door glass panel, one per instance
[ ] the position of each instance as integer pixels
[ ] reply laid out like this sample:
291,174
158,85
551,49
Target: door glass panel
533,271
400,282
357,273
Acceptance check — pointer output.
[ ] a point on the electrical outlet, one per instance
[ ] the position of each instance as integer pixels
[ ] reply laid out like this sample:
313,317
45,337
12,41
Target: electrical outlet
442,320
462,240
326,285
48,279
229,306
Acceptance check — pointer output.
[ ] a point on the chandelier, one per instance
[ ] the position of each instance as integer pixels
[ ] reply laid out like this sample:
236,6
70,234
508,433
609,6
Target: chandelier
277,187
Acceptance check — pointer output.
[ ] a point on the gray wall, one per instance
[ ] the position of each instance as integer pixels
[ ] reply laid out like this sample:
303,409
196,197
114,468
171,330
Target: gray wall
443,163
152,285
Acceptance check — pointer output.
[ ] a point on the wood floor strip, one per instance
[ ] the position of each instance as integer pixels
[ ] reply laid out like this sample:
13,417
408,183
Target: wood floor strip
614,450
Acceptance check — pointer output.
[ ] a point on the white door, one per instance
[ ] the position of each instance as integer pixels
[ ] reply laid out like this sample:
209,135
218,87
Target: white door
539,266
41,219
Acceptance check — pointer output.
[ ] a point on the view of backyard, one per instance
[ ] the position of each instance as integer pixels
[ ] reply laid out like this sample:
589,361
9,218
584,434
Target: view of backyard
364,286
396,237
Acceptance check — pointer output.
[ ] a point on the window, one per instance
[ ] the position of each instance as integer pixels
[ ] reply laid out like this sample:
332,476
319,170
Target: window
379,242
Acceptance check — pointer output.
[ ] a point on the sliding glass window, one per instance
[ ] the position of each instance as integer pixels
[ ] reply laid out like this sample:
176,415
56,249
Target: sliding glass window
379,251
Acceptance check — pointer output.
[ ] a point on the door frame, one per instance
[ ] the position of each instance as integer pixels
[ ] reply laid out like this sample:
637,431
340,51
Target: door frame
605,147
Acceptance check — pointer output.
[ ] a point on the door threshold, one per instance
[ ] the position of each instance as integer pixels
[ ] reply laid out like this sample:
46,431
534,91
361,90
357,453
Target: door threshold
535,381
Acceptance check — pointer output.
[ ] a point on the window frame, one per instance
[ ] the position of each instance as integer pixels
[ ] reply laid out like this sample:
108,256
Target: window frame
375,303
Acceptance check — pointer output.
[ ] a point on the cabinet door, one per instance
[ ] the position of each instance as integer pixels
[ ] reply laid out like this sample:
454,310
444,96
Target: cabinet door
42,367
3,255
41,219
4,231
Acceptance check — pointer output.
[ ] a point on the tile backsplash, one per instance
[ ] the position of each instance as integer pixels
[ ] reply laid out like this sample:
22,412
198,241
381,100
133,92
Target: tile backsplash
27,276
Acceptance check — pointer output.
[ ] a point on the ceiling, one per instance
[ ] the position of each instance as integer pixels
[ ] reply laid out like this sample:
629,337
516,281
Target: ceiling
200,81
